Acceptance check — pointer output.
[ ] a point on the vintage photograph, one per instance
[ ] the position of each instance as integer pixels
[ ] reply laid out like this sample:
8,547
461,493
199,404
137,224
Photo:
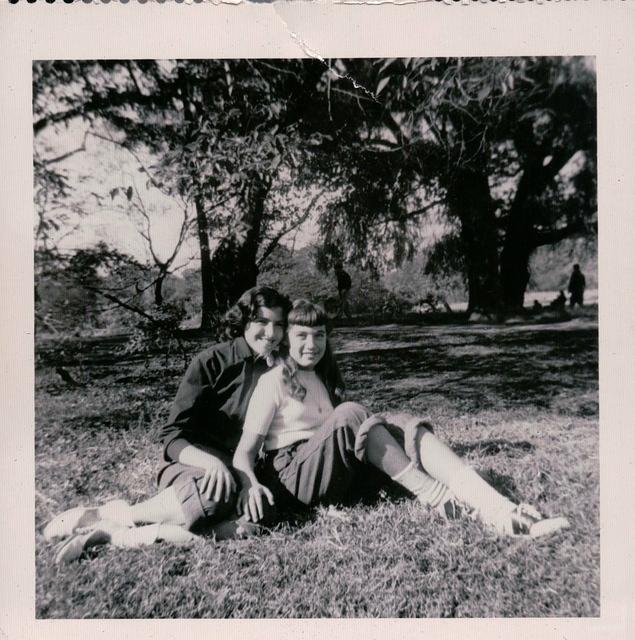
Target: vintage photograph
316,338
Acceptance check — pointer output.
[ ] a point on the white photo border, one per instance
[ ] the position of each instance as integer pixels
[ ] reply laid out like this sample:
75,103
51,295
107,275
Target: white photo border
602,29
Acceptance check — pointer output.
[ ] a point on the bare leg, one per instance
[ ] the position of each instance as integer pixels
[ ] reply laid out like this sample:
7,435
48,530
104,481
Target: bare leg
164,507
385,453
468,486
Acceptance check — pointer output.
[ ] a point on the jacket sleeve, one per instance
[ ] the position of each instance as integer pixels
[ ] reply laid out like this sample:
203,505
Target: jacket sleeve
192,409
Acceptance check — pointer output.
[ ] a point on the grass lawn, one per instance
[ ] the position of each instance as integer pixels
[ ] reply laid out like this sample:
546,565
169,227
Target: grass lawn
520,402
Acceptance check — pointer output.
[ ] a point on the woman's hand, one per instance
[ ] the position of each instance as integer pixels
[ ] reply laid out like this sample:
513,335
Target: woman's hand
250,501
217,482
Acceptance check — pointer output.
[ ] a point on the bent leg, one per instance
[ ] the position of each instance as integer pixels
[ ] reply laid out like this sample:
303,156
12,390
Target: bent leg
323,468
181,502
471,488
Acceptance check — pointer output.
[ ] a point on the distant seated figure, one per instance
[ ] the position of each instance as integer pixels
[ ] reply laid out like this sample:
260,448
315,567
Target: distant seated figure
537,307
559,303
433,300
577,284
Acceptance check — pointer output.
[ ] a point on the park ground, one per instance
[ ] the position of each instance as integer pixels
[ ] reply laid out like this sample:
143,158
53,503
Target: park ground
519,402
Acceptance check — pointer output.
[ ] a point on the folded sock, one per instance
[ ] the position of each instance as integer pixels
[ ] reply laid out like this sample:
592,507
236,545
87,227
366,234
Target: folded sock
427,490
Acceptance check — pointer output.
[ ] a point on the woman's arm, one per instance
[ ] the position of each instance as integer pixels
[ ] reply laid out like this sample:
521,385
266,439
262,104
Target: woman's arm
245,456
250,498
260,413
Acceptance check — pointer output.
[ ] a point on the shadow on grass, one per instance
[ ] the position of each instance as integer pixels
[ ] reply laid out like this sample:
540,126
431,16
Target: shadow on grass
396,367
494,447
480,370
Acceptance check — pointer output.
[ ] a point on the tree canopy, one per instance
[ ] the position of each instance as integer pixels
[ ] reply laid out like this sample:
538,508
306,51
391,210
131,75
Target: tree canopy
497,154
502,149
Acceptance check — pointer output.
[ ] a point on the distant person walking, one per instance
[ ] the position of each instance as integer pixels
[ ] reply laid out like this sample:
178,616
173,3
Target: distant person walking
344,285
577,284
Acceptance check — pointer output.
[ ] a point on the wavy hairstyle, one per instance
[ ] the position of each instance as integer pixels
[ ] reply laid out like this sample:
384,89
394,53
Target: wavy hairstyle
246,308
309,314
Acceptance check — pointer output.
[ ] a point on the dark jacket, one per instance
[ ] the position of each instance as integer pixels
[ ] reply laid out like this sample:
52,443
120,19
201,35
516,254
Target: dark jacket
211,402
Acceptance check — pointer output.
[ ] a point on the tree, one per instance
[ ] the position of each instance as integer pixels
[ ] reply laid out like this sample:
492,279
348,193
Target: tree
76,285
502,149
132,202
221,133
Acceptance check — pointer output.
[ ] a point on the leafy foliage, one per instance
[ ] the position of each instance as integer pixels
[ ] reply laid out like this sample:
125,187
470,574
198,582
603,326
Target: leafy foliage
488,143
500,150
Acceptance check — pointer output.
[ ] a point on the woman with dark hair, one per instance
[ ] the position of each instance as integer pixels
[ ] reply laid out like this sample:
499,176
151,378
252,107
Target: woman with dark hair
197,487
313,445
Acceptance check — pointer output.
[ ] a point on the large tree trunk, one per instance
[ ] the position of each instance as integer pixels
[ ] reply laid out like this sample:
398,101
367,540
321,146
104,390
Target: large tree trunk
469,199
207,283
158,289
234,262
514,270
519,241
540,166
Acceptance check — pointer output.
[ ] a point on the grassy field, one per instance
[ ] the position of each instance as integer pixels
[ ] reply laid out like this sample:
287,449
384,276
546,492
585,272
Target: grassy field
520,402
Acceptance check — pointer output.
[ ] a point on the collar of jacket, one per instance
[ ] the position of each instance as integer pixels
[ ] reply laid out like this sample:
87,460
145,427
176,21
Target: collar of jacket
242,349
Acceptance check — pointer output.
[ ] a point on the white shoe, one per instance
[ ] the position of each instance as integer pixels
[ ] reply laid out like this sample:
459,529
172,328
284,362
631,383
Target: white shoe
108,532
525,521
101,533
81,519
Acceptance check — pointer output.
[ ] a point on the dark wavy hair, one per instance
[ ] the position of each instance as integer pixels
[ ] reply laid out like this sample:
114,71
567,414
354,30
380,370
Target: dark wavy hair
309,314
246,308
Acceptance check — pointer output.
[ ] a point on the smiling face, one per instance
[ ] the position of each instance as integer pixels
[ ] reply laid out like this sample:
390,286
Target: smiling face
307,345
264,333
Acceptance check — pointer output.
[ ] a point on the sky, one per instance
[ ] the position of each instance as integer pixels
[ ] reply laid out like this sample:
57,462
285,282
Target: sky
104,166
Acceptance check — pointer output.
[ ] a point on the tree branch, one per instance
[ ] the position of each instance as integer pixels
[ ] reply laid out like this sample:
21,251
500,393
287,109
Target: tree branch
95,104
121,303
276,240
558,160
132,75
409,214
68,154
540,239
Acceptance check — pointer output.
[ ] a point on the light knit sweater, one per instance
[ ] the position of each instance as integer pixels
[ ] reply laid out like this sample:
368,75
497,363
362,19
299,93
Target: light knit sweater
283,420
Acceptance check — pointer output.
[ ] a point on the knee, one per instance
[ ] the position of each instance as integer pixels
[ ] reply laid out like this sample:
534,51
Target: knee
407,421
349,414
202,511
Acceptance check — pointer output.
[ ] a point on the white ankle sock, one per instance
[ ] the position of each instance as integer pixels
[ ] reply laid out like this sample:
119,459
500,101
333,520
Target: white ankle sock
427,490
